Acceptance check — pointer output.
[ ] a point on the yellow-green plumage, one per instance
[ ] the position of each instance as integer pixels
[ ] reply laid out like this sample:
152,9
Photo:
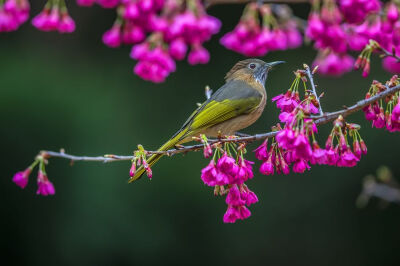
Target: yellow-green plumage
236,105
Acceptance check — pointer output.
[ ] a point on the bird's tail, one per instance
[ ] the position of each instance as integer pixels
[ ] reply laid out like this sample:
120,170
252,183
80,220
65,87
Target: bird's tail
179,136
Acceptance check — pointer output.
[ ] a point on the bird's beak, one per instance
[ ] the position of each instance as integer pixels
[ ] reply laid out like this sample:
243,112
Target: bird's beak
272,64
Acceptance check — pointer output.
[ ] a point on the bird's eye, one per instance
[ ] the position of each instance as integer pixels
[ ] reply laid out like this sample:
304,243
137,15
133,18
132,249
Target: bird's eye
252,66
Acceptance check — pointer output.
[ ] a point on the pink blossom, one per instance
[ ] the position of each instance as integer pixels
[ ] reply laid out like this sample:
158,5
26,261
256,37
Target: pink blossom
67,24
209,174
245,171
227,170
318,156
334,64
347,159
286,138
108,3
392,13
355,11
244,213
198,55
85,2
233,198
287,102
391,65
261,152
363,147
300,166
249,196
178,49
231,215
45,187
302,147
21,178
267,167
112,37
332,156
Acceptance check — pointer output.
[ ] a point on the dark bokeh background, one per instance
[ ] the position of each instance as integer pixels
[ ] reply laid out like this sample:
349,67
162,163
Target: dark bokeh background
71,91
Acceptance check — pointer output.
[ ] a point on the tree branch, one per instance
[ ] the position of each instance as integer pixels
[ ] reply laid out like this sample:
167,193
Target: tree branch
319,120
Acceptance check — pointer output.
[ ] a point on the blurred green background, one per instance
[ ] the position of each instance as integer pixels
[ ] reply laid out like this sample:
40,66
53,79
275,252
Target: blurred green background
72,92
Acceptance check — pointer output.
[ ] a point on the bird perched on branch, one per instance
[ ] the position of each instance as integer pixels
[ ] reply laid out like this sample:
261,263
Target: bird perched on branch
234,106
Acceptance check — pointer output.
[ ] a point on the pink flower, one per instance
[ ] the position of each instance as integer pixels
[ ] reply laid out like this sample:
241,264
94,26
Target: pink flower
261,152
249,196
315,26
85,2
178,49
209,174
45,187
227,170
112,37
318,155
302,147
286,138
334,64
198,55
347,159
108,3
390,64
332,156
355,11
267,167
392,13
67,24
245,171
231,215
207,151
233,198
21,178
300,166
244,213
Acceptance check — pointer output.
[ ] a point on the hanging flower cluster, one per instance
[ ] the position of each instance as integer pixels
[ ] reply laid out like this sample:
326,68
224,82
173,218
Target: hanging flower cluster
296,144
227,172
384,117
254,38
341,26
174,27
45,186
13,13
54,17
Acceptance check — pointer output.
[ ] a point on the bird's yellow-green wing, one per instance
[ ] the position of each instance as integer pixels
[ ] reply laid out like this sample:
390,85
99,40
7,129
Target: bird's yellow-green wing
233,99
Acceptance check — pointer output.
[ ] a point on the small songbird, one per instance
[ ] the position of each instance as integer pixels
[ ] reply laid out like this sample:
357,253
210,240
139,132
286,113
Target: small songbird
234,106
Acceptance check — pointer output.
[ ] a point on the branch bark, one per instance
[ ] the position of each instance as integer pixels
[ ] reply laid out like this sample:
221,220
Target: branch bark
318,120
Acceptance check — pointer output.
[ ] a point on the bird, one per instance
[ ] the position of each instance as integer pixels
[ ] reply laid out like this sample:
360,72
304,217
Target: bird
234,106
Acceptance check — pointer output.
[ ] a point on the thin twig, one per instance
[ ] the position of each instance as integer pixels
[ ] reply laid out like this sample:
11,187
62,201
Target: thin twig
314,90
319,120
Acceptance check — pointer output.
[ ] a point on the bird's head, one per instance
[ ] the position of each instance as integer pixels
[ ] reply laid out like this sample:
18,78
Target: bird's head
251,70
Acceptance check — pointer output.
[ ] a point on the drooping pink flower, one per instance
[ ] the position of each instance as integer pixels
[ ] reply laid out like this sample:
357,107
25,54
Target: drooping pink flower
21,178
248,196
392,12
300,166
234,198
391,65
244,213
334,64
245,171
67,24
318,155
261,152
112,37
209,174
45,187
301,147
347,159
231,215
332,156
355,11
267,167
85,2
198,55
178,49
